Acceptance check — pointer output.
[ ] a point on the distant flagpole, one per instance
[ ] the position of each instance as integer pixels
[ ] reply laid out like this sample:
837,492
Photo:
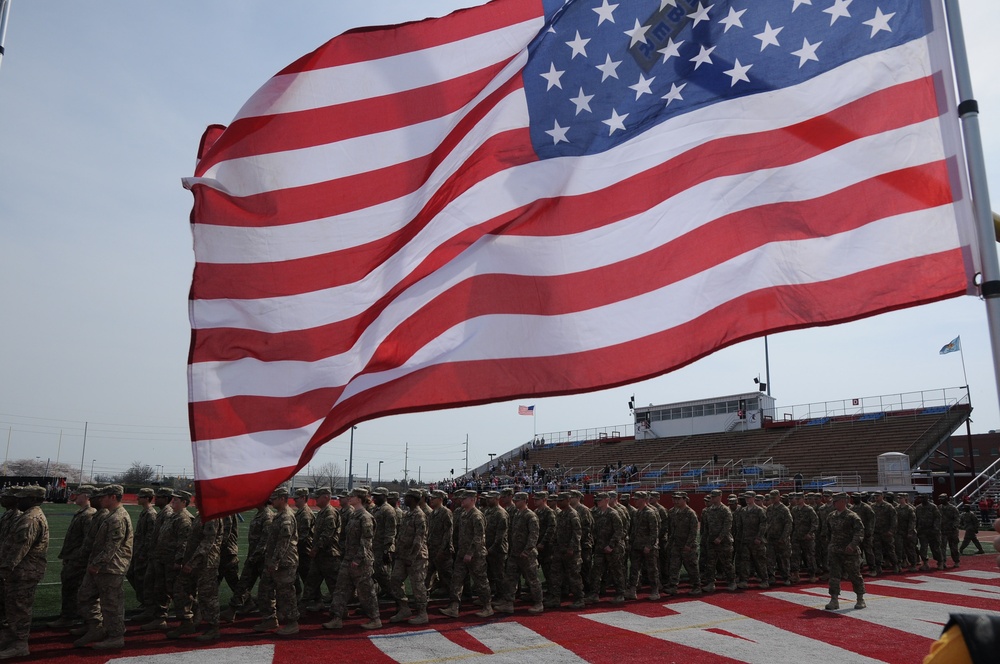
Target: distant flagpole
4,15
968,111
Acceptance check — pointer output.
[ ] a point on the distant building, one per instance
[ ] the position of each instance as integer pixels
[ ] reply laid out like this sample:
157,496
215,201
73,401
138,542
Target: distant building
736,412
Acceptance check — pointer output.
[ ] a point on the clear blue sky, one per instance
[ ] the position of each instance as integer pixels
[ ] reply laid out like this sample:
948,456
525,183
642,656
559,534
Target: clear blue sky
101,109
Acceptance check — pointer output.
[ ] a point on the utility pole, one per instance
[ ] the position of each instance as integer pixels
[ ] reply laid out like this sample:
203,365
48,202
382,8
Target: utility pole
406,461
10,429
83,455
466,454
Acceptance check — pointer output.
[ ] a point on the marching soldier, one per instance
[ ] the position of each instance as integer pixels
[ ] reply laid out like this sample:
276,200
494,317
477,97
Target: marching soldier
929,531
198,578
383,544
411,562
864,510
470,558
566,561
546,535
683,545
586,534
88,597
23,552
645,548
106,567
969,522
609,550
805,524
277,598
496,541
440,544
884,540
155,589
169,552
142,541
778,531
522,559
253,566
355,573
304,522
717,525
229,553
325,552
74,557
663,517
847,532
949,530
9,502
752,549
906,533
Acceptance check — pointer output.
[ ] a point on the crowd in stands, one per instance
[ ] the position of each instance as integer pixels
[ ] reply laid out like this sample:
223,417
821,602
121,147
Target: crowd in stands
523,475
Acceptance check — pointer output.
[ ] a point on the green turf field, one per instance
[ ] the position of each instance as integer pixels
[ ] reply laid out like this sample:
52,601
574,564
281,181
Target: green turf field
47,597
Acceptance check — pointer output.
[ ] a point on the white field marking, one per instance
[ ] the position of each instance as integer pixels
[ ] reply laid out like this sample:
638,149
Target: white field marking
976,574
263,654
757,642
936,584
509,643
907,615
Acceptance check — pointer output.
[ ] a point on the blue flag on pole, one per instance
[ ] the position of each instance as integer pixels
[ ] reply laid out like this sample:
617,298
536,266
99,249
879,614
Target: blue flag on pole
952,346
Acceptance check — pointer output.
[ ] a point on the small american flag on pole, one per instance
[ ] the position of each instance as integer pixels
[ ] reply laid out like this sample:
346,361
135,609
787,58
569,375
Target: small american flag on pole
525,410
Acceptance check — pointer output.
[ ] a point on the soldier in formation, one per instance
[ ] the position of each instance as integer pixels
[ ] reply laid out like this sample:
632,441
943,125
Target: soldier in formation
253,566
609,551
906,533
717,530
23,550
440,545
470,558
805,524
846,533
753,551
305,520
384,541
411,562
497,523
684,538
522,560
198,580
356,574
928,522
142,542
884,536
949,530
277,598
73,556
644,542
566,561
969,522
324,554
778,536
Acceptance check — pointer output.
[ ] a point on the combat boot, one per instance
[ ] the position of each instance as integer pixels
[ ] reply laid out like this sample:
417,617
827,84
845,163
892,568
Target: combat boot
94,634
15,649
486,612
552,603
732,587
334,623
314,607
654,597
154,625
536,608
374,623
290,629
210,634
580,604
619,599
695,591
860,604
228,614
111,643
266,625
451,610
402,614
630,593
591,599
833,604
504,607
710,588
420,618
186,628
62,623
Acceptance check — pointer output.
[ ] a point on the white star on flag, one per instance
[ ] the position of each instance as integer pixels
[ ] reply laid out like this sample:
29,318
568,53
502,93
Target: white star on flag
553,77
675,93
642,87
800,2
671,50
704,57
578,45
609,68
838,9
738,72
558,134
700,14
733,19
807,52
582,102
769,37
665,3
615,122
605,12
880,22
637,34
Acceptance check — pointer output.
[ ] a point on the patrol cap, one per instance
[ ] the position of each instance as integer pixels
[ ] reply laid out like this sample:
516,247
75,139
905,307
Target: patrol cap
733,498
162,492
439,494
30,491
113,490
541,495
490,494
185,495
576,493
413,493
944,495
279,492
888,494
553,497
520,495
89,489
774,492
624,496
146,492
601,495
507,491
640,495
380,491
565,495
654,494
323,491
680,494
360,492
714,493
302,492
840,496
613,493
749,494
394,495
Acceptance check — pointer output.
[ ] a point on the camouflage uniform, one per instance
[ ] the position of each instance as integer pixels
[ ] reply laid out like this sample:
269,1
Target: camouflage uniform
822,538
74,558
201,555
111,555
23,553
929,532
440,546
752,549
805,525
277,598
471,543
496,546
546,537
645,549
523,557
717,526
356,569
609,552
411,560
683,547
253,566
88,595
169,553
906,535
969,522
383,543
305,520
325,563
142,542
884,540
949,530
7,520
229,552
864,510
155,588
566,561
846,530
663,515
586,538
778,531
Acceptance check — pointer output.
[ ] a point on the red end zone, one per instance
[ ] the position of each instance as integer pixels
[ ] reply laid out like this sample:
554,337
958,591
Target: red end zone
905,614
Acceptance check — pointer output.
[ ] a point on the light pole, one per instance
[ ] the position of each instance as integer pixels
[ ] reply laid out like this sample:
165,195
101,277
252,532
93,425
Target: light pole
92,469
159,472
350,463
380,472
492,454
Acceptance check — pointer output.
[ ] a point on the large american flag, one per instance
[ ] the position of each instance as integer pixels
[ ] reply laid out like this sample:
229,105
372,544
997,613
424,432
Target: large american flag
536,198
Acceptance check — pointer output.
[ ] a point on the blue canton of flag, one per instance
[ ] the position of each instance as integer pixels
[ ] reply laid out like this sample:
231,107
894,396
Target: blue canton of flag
602,73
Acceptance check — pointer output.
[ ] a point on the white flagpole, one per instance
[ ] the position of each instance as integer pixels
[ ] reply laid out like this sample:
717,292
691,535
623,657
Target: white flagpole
961,352
968,111
4,15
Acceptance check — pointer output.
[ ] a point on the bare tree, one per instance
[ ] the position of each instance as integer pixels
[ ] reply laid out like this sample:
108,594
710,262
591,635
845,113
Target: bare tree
137,473
332,474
